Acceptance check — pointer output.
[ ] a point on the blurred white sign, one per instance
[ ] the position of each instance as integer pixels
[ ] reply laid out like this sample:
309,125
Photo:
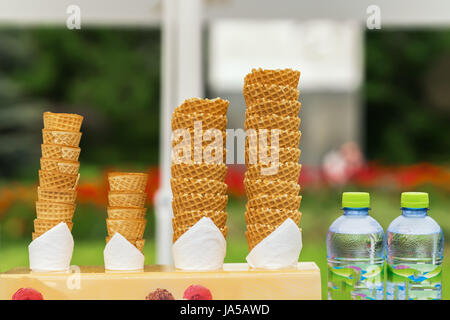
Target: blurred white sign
327,53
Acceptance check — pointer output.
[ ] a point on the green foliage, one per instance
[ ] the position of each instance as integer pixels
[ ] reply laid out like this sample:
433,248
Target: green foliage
408,106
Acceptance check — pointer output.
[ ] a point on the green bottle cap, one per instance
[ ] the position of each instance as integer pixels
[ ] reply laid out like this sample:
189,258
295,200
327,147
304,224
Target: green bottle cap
355,200
415,200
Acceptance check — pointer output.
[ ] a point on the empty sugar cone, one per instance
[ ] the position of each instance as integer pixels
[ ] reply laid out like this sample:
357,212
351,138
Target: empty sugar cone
120,213
286,139
253,188
62,121
35,235
127,181
288,171
273,217
57,181
207,121
181,230
272,122
263,107
61,166
256,233
54,210
200,202
281,77
42,226
189,218
64,138
130,229
55,195
254,92
209,155
199,171
126,199
280,202
185,185
215,106
53,151
140,244
284,155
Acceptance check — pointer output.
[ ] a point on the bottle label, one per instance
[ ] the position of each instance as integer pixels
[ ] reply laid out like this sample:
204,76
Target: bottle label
359,281
413,282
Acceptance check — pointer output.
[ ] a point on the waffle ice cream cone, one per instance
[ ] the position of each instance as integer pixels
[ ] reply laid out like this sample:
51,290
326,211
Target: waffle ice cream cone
62,121
181,230
273,217
286,139
204,138
254,188
199,171
35,235
284,155
126,199
199,202
280,202
256,233
127,181
284,108
272,122
120,213
57,181
41,226
61,166
281,77
130,229
184,185
64,138
207,155
54,211
288,171
255,92
58,196
53,151
215,106
189,218
208,121
140,244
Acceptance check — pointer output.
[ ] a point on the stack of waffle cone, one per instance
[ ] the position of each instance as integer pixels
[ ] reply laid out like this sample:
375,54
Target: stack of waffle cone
58,176
271,151
126,206
198,164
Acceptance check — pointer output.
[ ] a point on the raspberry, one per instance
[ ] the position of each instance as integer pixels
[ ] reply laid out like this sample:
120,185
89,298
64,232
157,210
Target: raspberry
27,294
197,292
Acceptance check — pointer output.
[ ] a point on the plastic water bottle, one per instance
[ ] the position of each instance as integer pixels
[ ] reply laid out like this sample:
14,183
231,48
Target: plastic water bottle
355,252
415,246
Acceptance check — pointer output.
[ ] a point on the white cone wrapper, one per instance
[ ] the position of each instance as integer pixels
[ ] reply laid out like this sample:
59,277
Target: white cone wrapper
278,250
120,254
53,250
202,247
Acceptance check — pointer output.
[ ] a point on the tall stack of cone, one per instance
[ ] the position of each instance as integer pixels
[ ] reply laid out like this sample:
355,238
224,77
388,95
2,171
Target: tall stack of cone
198,171
272,103
126,206
58,176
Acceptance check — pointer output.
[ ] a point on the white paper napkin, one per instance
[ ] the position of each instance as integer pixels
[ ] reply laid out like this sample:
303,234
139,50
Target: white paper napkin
120,254
201,248
53,250
280,249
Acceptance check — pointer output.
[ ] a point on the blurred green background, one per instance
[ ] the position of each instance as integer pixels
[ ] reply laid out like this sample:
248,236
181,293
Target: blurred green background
112,77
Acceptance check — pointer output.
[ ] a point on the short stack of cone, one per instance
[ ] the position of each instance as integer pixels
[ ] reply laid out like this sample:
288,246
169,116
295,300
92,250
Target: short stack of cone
58,176
197,182
272,103
126,206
